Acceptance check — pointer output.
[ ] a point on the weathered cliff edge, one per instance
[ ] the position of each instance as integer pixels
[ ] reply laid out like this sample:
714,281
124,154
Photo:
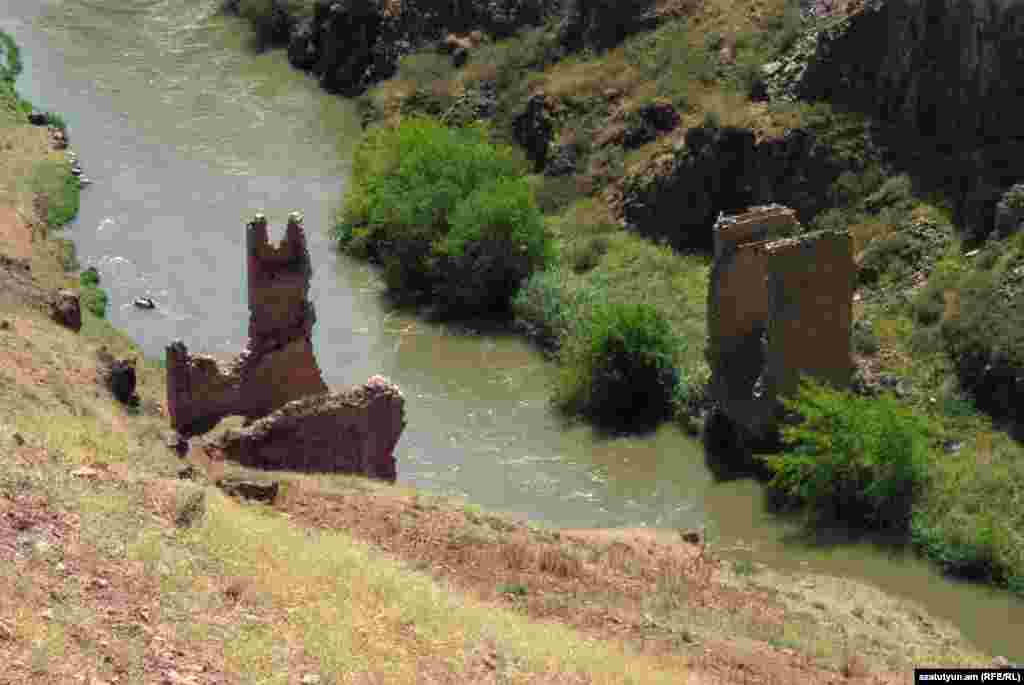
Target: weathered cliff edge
946,70
276,379
351,44
777,310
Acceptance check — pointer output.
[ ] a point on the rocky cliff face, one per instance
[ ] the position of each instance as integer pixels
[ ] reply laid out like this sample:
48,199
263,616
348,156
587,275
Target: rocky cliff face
351,44
946,70
715,170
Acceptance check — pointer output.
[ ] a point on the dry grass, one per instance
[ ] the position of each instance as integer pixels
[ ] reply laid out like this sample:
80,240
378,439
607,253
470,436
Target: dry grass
114,570
863,233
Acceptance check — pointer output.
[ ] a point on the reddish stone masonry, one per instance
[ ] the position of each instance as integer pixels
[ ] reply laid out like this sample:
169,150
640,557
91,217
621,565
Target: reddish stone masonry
777,309
277,381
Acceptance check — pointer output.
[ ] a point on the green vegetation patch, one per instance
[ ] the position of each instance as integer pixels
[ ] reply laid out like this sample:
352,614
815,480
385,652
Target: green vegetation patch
92,297
619,368
449,216
852,459
60,189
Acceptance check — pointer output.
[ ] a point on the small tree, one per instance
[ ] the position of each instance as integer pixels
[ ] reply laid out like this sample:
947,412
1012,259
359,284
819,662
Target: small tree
853,459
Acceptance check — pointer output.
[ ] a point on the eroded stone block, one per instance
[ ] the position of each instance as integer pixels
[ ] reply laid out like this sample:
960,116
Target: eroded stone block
352,431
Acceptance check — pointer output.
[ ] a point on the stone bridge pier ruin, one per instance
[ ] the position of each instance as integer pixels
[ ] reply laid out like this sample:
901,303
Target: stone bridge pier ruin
276,383
778,308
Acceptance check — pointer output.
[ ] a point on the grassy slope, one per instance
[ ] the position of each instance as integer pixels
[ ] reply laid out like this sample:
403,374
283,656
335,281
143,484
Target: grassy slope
116,570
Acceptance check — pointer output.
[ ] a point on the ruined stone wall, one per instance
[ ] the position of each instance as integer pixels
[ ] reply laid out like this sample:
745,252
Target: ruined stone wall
354,431
278,364
776,309
810,290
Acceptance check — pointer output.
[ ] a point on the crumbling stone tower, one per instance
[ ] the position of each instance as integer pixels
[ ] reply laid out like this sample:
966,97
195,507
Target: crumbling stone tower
777,309
295,423
278,364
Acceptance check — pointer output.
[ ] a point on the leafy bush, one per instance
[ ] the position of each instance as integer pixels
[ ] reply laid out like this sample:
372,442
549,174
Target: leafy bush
447,214
986,343
618,368
863,338
586,255
496,239
94,299
893,257
555,193
10,64
852,459
928,306
55,182
969,519
551,311
89,277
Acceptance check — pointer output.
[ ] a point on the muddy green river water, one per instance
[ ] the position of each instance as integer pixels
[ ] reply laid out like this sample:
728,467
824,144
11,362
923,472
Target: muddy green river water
186,132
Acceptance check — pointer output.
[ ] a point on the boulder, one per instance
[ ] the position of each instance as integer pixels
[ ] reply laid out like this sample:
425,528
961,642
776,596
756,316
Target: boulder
260,491
1010,212
562,160
459,57
37,118
66,310
603,24
302,47
118,376
534,130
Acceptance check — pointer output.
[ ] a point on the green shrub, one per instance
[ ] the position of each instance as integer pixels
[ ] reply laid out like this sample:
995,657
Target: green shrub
94,299
551,310
89,278
968,556
893,257
62,191
10,64
555,193
447,214
585,255
986,343
864,340
496,239
852,459
928,306
618,367
57,121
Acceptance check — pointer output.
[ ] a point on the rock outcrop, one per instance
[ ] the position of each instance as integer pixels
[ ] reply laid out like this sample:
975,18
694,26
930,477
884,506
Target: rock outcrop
776,309
117,376
946,71
351,44
17,284
66,310
534,129
712,170
354,431
276,382
603,24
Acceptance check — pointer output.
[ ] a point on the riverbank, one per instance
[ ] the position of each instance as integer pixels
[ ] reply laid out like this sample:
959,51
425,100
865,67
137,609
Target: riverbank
117,567
619,133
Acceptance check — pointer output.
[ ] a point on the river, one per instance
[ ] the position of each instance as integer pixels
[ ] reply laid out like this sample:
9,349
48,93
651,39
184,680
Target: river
186,132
